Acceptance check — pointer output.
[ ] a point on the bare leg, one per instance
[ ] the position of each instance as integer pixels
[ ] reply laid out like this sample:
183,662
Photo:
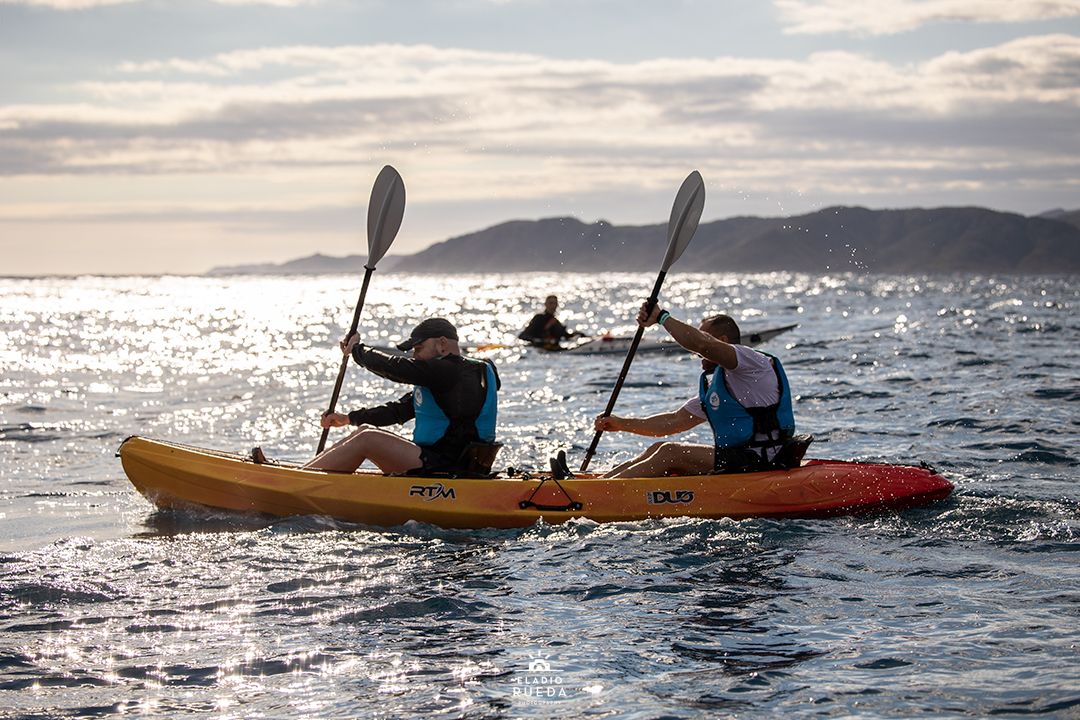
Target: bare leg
664,459
617,470
390,452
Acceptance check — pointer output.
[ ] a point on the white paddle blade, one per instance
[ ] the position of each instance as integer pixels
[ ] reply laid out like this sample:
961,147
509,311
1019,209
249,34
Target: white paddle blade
385,211
685,215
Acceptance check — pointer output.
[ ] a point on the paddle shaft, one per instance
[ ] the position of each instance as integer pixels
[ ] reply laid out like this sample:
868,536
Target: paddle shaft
345,358
651,302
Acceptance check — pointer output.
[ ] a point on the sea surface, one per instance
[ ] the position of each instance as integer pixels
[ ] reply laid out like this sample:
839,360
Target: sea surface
966,608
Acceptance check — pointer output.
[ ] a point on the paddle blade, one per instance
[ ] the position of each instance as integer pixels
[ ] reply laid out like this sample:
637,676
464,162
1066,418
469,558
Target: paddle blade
385,211
685,215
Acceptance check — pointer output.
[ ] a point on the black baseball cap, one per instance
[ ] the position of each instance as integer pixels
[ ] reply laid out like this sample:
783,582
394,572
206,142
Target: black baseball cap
430,328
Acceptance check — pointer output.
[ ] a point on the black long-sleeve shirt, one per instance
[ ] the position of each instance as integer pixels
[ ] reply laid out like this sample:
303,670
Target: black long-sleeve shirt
458,392
433,374
545,328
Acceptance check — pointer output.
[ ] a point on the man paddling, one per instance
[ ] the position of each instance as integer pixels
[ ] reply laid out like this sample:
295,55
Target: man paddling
453,402
743,394
544,329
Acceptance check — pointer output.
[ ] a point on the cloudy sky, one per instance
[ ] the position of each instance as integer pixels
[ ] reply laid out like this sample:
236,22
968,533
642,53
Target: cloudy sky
175,135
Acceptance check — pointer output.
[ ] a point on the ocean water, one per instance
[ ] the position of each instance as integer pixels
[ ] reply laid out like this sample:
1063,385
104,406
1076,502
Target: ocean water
966,608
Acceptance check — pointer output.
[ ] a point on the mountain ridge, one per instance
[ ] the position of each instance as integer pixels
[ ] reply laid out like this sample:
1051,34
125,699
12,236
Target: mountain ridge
834,239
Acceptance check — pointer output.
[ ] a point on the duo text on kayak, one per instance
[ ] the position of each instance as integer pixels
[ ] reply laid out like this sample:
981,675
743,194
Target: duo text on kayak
670,497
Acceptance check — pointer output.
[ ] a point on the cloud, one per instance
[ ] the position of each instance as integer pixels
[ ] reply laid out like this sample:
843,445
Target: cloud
887,17
275,3
90,4
477,126
68,4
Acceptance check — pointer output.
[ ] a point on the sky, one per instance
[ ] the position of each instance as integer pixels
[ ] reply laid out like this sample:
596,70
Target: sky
172,136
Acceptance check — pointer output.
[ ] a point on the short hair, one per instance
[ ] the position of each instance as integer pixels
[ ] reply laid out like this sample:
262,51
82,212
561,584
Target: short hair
552,297
717,325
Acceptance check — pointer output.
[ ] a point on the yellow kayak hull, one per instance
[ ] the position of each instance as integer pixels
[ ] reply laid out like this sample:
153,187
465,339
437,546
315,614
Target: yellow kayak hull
174,475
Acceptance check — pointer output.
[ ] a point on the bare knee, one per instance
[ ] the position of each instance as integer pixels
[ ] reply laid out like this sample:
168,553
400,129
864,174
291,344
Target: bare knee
689,459
363,435
670,450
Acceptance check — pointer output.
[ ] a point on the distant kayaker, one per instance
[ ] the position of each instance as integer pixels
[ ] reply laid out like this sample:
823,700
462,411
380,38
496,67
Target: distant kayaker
742,393
544,329
453,402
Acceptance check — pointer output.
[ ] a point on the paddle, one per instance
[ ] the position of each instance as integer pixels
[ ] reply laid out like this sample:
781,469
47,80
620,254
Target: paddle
685,214
385,210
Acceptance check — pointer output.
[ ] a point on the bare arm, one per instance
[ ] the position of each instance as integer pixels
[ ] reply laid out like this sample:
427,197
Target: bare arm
694,340
660,425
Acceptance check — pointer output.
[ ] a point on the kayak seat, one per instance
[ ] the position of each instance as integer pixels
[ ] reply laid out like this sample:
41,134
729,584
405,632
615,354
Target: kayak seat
478,457
792,451
475,461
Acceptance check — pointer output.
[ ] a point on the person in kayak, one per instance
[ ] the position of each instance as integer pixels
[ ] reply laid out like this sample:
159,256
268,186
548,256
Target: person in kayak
742,393
544,329
453,400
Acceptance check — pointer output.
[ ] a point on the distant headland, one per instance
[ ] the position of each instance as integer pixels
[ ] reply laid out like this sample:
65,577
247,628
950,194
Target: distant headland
836,239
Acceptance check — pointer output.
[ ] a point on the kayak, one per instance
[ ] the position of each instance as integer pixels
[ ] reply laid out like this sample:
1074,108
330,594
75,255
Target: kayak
173,475
609,345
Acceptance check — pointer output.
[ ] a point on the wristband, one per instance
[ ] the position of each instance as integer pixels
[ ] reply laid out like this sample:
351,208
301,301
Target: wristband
662,317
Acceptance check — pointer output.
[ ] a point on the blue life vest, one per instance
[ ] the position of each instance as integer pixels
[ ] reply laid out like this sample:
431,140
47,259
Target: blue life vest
432,423
734,426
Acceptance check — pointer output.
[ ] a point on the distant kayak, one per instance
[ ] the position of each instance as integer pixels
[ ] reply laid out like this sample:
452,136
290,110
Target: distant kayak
611,345
620,345
172,475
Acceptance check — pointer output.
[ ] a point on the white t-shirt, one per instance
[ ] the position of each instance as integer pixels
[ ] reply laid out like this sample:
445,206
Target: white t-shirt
752,382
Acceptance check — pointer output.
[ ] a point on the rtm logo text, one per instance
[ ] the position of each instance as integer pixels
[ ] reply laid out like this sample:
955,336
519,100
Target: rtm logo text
432,492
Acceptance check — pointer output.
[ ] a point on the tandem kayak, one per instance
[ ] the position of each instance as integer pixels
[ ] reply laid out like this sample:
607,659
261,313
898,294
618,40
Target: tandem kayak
174,475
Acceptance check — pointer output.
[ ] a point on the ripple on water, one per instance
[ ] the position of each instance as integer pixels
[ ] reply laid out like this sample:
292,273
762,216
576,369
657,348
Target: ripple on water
1028,451
961,422
39,594
423,611
41,627
1066,394
976,362
29,433
849,395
